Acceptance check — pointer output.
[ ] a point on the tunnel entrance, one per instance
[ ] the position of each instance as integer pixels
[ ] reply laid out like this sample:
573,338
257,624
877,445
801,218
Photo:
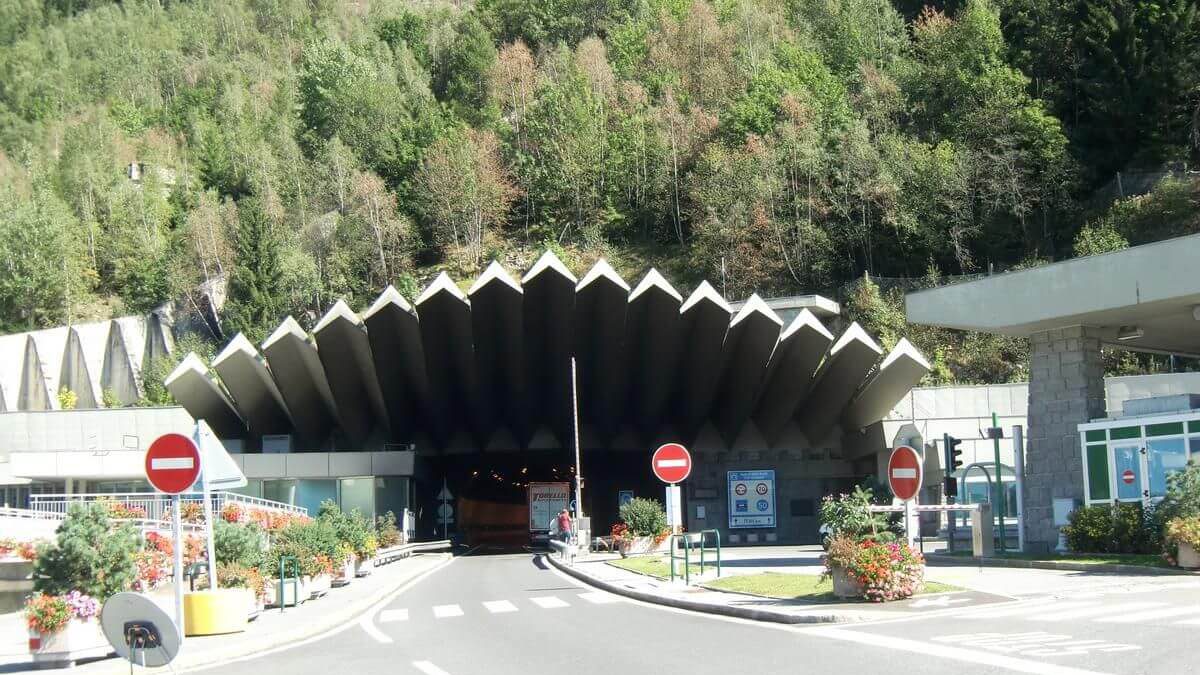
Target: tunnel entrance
491,491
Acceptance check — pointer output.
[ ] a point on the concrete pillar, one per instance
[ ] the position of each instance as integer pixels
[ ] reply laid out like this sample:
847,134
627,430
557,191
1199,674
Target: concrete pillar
1066,388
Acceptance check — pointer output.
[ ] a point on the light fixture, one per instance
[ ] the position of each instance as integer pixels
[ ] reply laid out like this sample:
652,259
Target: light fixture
1129,333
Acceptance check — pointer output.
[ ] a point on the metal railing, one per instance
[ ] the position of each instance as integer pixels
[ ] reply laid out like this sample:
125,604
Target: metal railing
689,541
154,506
10,512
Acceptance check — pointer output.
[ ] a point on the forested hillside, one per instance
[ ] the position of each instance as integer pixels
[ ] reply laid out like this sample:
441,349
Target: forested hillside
308,150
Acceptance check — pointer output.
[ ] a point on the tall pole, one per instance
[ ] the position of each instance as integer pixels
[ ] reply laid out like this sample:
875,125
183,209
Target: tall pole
177,566
575,424
209,524
998,486
1018,434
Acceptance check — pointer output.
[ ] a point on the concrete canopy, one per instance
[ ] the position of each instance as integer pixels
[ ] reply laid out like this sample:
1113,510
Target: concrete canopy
248,381
1145,289
492,367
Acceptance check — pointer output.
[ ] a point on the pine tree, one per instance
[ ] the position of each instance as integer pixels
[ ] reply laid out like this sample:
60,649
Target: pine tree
91,555
256,288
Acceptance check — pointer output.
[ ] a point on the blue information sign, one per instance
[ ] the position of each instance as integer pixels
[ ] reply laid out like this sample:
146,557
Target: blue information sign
752,499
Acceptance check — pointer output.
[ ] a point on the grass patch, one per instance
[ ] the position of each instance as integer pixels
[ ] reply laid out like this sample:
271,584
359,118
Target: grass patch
656,566
1140,559
806,587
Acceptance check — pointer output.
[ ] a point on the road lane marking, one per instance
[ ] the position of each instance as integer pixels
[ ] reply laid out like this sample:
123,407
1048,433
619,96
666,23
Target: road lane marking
1138,617
500,606
548,602
948,652
599,598
428,668
1092,609
1033,644
446,611
390,615
1188,622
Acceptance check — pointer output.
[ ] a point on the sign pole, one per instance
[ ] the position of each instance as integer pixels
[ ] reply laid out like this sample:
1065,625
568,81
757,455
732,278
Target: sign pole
177,536
575,424
999,486
209,523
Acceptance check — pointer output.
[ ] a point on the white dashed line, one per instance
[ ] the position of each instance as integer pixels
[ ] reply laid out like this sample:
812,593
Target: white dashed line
598,598
428,668
548,602
447,611
1139,617
500,606
390,615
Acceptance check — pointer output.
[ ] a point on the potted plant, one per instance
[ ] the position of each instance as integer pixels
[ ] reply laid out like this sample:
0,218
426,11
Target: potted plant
1185,532
64,628
364,558
643,527
344,572
873,569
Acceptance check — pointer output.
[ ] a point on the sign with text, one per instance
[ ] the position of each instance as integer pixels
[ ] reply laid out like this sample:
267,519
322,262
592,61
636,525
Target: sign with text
545,501
752,499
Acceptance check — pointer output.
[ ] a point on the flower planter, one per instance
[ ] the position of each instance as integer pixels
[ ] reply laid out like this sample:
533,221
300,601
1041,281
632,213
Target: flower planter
1188,557
345,573
363,567
292,590
320,585
218,612
80,639
638,545
844,585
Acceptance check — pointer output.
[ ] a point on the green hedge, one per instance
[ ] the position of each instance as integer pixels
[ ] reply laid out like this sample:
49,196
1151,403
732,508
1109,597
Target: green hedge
1120,528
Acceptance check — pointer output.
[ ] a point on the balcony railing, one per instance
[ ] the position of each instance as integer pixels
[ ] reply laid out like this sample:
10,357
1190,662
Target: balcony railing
157,507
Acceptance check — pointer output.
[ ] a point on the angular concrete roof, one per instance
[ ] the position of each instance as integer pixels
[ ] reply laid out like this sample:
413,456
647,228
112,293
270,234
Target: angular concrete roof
495,362
1148,289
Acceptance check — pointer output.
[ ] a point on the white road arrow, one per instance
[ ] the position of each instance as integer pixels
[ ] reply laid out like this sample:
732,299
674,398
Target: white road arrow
941,601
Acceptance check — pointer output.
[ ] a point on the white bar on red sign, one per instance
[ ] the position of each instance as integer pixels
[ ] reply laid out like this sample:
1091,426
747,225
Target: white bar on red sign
167,463
904,473
667,463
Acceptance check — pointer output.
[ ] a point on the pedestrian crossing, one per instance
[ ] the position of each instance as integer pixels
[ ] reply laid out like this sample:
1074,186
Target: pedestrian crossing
488,607
1106,611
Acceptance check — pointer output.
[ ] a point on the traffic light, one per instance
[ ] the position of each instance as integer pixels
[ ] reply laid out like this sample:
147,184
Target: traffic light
951,463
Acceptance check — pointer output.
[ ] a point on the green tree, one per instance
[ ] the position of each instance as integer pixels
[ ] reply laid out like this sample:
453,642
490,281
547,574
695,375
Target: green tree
1099,238
255,301
89,555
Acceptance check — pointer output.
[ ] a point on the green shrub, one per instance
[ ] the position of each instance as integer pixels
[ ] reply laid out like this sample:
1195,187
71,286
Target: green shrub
1120,528
386,532
644,517
239,544
90,555
314,545
850,514
353,529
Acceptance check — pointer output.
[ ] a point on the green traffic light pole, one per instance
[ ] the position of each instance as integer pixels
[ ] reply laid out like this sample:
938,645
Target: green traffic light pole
999,483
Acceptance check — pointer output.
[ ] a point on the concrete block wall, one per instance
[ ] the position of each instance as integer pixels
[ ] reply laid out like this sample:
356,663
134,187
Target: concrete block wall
1066,388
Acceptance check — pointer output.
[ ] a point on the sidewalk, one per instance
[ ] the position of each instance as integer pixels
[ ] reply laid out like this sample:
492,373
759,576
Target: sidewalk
272,628
982,585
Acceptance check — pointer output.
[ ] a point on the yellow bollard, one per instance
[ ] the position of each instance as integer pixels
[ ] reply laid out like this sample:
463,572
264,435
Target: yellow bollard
224,610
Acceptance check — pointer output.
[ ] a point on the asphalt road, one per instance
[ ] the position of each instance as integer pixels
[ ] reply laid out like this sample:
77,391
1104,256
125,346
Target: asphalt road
507,614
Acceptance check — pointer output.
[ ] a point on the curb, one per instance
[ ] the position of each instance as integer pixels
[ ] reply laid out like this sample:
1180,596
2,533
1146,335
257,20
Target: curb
321,624
1060,565
704,607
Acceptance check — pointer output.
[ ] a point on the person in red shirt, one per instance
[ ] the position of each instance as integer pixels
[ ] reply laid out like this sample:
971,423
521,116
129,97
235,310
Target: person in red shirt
564,524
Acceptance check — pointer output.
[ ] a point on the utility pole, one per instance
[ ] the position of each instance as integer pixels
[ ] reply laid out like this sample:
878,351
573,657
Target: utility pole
999,484
575,424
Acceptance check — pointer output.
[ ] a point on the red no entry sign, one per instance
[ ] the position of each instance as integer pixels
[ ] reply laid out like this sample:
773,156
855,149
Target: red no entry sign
672,463
1128,476
904,472
172,463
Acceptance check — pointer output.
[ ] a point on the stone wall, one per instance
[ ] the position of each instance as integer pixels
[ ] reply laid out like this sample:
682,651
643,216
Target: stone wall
1066,388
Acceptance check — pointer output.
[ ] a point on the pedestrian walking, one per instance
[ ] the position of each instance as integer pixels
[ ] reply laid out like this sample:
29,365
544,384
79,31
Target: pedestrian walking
564,524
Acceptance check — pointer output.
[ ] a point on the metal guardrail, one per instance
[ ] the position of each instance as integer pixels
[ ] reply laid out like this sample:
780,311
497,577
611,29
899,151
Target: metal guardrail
155,506
11,512
386,555
566,552
688,539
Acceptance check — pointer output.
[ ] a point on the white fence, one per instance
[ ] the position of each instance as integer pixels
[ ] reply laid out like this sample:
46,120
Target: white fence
154,506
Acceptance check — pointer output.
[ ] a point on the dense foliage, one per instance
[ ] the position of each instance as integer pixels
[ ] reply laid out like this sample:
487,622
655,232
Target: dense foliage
885,570
1124,527
90,555
306,151
644,517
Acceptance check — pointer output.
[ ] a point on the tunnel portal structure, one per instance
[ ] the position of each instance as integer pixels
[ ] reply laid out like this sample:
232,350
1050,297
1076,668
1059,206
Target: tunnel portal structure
473,381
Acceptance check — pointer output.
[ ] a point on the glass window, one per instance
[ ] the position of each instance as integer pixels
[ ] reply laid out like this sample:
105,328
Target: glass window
358,493
1164,429
1095,435
1097,472
1127,464
1164,457
1194,426
392,494
310,493
1125,433
1195,448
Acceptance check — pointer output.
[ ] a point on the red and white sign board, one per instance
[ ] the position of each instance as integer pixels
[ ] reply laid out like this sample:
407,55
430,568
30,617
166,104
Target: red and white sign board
672,463
172,463
1128,476
904,472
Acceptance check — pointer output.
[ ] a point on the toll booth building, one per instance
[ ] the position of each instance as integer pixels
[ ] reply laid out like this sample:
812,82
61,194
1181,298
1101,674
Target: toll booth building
1129,458
452,404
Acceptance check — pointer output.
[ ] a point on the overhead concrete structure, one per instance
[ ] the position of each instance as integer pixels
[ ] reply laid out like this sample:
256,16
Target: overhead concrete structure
1144,298
490,369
